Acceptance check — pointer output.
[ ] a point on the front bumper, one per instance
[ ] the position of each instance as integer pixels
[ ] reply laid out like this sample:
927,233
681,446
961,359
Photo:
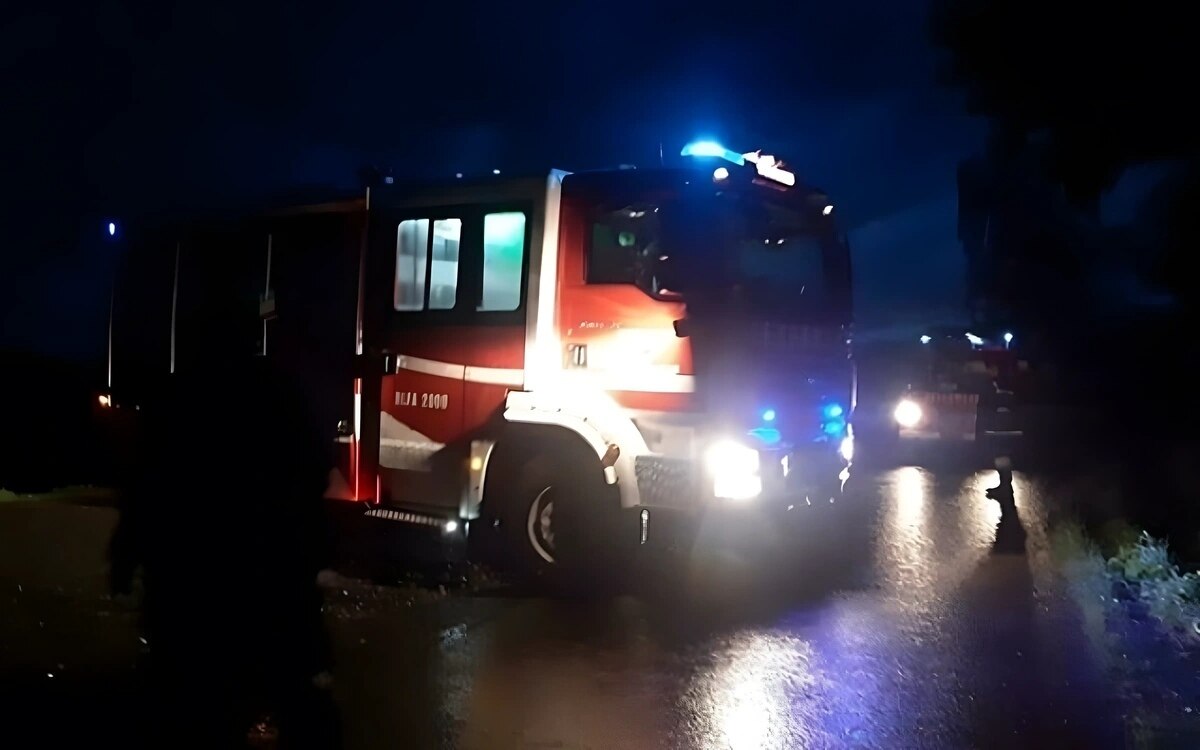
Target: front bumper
786,475
960,417
803,492
944,416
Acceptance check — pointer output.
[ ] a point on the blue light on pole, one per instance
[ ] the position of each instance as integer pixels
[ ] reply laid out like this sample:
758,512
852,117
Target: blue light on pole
1008,337
112,229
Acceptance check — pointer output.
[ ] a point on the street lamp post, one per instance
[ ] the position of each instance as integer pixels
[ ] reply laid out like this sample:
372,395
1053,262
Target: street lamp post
111,229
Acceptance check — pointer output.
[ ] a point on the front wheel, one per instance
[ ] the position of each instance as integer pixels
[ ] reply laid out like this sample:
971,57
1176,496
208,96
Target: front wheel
545,514
539,523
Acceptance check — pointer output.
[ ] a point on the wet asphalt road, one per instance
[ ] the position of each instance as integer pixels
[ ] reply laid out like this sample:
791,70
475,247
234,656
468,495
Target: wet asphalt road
936,631
933,635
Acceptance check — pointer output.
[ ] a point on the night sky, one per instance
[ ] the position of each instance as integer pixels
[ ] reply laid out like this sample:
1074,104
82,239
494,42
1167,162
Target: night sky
140,111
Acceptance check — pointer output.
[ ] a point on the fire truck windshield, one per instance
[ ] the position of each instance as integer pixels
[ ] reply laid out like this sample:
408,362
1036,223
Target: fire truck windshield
770,255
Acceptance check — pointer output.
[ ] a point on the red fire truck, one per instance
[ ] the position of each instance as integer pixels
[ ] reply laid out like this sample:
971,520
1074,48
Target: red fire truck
966,387
562,363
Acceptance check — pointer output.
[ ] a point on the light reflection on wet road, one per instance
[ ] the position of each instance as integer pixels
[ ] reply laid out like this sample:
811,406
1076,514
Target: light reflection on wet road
944,627
946,638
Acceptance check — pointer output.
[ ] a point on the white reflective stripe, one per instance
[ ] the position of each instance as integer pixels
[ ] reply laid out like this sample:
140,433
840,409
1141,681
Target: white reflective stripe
412,445
633,380
469,373
402,447
430,367
494,376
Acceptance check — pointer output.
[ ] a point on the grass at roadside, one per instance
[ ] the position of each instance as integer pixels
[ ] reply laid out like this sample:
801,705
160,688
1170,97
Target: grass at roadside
1087,580
1114,567
1139,612
78,494
1131,566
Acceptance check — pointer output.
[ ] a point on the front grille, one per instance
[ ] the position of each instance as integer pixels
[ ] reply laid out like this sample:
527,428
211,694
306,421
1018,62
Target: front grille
949,400
666,481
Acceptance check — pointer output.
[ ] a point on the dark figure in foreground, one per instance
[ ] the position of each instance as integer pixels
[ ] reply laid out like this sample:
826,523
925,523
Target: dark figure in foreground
224,518
1010,534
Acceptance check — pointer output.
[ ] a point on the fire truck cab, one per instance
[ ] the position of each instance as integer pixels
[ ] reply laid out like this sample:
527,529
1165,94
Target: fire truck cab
557,364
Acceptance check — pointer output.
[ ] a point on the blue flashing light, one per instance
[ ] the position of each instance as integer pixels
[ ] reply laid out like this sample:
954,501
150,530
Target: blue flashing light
834,427
112,229
833,411
768,415
768,435
713,149
925,339
703,148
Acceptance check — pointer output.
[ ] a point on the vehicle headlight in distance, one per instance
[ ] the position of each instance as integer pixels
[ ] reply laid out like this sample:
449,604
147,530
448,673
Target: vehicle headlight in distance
908,413
734,470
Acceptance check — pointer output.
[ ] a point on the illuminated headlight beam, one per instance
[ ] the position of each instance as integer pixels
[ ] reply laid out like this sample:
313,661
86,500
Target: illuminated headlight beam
908,413
734,469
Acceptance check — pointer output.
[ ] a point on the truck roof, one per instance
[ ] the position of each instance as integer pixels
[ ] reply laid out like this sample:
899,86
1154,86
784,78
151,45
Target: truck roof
468,189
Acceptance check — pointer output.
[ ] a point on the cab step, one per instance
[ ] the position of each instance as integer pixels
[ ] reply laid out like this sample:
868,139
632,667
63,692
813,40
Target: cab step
404,516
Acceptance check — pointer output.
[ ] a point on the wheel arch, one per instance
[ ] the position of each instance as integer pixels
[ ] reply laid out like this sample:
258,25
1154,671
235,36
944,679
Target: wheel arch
594,423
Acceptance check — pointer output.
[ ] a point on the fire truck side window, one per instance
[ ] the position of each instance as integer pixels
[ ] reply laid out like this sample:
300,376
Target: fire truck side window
443,279
503,258
418,254
412,244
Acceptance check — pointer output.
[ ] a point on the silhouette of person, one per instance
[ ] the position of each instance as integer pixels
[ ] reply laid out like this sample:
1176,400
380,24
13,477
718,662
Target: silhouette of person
1003,492
224,518
1010,534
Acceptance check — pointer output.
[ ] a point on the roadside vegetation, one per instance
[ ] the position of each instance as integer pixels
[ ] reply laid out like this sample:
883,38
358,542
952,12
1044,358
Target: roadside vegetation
1140,612
1123,565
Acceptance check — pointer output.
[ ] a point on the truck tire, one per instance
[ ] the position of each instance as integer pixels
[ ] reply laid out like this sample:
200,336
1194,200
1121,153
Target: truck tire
546,514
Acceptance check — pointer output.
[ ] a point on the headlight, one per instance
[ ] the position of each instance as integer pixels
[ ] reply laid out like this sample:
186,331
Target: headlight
846,448
908,413
734,470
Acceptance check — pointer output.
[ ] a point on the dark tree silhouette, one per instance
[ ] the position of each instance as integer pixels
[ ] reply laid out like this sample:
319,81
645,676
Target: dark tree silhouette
1095,89
1103,83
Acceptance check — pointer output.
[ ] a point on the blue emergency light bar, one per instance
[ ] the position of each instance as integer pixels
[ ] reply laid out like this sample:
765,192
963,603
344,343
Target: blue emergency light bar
765,165
712,148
